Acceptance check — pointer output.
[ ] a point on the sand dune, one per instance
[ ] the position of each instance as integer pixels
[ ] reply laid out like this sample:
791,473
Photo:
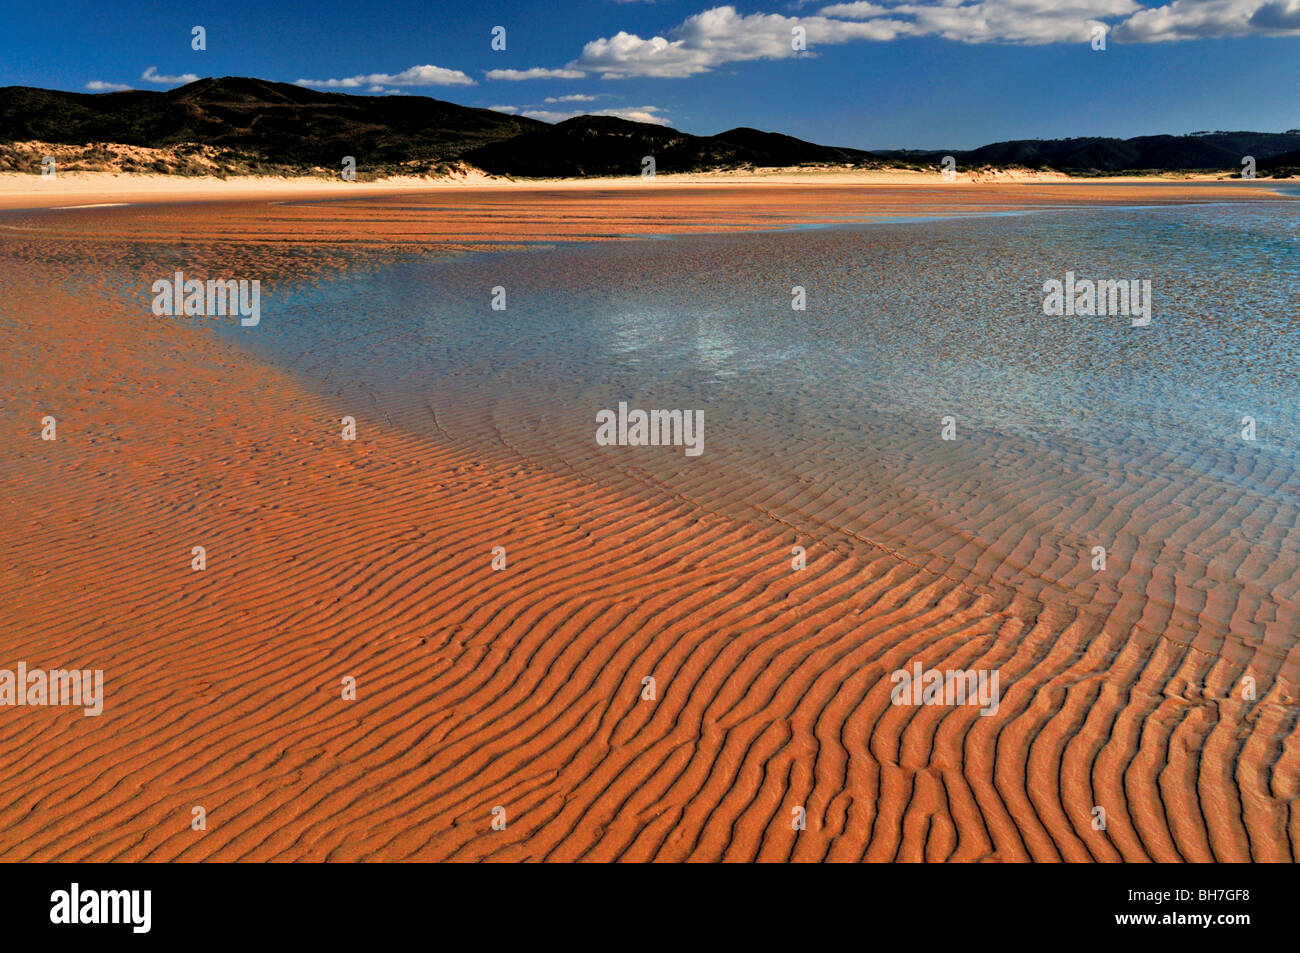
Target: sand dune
21,190
522,688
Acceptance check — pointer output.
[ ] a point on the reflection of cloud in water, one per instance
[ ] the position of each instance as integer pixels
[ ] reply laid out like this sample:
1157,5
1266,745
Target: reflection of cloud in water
703,343
632,332
715,349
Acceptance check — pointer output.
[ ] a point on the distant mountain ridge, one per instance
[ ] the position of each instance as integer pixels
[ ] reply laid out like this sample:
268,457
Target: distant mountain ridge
1201,151
290,127
605,145
241,125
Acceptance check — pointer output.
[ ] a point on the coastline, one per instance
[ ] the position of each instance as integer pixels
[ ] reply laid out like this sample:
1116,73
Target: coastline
26,191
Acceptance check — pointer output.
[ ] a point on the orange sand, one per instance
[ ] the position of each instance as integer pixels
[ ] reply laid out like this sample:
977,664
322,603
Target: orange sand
520,688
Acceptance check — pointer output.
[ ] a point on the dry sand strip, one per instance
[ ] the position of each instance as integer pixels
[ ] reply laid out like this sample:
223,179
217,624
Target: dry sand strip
80,189
520,689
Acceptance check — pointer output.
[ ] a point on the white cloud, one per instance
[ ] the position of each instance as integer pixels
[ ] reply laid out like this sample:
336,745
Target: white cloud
1183,20
151,76
505,109
634,113
854,11
536,72
1013,21
415,76
721,35
99,86
1282,16
575,98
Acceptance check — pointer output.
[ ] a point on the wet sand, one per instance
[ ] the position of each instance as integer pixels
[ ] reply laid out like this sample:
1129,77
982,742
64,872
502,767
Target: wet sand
522,688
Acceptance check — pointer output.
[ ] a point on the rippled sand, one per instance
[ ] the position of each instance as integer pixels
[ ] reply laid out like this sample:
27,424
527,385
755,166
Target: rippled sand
522,688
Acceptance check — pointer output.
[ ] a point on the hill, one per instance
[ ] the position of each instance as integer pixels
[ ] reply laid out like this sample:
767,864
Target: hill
257,125
1094,155
238,125
274,123
605,145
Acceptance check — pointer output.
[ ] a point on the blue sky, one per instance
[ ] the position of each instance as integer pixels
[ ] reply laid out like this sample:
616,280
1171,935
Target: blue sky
879,74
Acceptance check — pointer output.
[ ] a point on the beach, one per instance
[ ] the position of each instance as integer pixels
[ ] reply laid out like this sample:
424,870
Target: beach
20,190
356,673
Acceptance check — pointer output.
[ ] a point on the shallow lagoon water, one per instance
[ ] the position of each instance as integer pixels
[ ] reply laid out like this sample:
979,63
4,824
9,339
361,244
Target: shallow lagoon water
1071,431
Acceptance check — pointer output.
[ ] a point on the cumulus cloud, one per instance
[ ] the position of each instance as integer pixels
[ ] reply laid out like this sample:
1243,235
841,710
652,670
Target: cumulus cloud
648,114
99,86
536,72
1001,21
511,110
415,76
575,98
1184,20
721,35
151,76
1282,16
